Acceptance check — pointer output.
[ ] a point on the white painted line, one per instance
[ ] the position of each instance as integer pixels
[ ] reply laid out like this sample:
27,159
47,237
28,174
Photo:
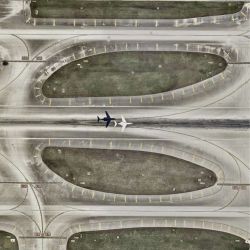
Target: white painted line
193,89
152,98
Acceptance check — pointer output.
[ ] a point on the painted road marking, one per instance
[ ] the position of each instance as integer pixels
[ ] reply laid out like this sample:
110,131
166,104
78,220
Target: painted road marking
193,89
213,81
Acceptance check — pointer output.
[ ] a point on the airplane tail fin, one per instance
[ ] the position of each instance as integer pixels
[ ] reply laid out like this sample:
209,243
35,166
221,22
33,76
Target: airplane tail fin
98,118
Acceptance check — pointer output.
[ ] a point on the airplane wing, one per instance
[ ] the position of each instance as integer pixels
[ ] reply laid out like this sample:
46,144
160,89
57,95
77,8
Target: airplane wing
107,114
123,119
108,122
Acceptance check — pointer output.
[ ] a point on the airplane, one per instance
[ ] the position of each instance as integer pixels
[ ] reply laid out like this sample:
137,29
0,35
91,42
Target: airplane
123,123
107,119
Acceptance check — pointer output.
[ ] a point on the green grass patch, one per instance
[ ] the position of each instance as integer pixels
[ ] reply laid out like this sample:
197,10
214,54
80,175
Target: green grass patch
156,239
130,9
126,171
131,74
8,241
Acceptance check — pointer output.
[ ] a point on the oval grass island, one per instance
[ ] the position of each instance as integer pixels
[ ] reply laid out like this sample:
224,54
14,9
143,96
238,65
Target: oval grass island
127,172
131,73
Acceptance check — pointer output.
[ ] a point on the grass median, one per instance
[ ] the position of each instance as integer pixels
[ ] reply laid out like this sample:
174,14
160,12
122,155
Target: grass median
131,74
127,171
156,239
130,9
